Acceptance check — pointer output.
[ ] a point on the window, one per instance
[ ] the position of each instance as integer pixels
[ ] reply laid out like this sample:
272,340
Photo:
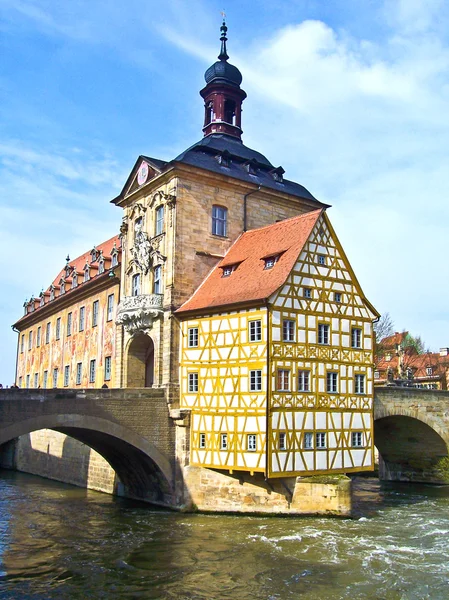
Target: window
376,375
223,441
74,279
135,285
58,328
92,369
202,440
323,334
251,442
157,280
357,439
79,372
20,382
107,368
332,383
356,337
30,340
66,375
69,324
86,273
101,267
61,287
45,382
270,262
320,440
303,381
192,340
55,378
22,343
288,330
47,333
38,336
36,380
193,382
219,220
95,307
307,292
255,331
359,384
429,371
337,297
28,381
282,440
110,307
228,270
114,259
255,380
308,441
283,384
159,220
321,259
52,293
82,318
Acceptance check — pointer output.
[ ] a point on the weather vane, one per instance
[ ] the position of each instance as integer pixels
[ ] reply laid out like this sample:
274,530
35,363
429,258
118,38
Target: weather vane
223,14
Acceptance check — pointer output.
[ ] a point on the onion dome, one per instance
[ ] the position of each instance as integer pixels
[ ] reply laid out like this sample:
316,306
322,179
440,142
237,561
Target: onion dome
222,71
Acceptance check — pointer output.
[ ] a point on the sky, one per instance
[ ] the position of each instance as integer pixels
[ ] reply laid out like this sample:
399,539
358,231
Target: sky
351,97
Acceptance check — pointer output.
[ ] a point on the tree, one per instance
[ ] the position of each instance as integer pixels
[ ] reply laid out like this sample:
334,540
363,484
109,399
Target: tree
384,327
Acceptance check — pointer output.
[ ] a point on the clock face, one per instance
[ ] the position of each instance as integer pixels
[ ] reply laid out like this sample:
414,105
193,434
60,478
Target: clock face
142,173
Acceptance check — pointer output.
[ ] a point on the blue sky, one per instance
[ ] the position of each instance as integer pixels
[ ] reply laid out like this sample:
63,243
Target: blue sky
351,97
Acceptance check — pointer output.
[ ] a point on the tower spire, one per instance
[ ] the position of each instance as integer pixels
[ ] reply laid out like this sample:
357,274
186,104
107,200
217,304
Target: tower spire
223,54
223,95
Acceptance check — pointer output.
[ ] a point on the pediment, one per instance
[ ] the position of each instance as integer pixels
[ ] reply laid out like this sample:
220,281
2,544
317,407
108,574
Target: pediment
144,171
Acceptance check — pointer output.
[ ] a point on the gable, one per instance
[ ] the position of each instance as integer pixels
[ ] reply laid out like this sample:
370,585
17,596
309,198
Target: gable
144,171
334,276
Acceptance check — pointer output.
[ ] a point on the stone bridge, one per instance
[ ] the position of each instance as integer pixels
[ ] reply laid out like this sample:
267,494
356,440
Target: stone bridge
411,433
131,428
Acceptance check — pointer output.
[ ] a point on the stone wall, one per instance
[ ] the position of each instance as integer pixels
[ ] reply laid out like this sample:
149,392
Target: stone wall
56,456
211,490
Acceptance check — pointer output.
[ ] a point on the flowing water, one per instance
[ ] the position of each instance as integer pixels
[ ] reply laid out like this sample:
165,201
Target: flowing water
61,542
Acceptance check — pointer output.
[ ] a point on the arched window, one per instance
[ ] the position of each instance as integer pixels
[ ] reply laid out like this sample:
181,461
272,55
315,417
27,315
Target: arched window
74,279
101,267
219,220
229,111
210,116
159,219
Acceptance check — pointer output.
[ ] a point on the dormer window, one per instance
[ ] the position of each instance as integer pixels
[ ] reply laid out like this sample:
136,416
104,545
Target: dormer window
429,371
101,267
278,174
270,261
74,279
42,300
52,292
114,256
228,270
251,167
62,288
224,159
32,307
93,254
86,273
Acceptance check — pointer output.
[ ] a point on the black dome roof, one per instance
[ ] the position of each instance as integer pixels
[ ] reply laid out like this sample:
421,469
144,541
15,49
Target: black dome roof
223,72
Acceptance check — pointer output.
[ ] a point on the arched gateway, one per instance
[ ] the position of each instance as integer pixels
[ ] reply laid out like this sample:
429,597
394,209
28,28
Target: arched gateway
140,362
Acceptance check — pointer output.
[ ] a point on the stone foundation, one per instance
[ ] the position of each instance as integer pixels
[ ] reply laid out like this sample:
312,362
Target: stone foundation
217,491
56,456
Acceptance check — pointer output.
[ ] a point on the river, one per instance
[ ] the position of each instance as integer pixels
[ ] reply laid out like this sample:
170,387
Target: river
61,542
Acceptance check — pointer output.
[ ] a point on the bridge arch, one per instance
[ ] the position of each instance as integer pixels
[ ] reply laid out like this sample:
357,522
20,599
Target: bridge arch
144,471
411,449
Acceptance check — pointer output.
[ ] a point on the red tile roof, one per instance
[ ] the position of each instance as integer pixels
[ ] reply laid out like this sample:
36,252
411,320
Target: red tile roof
250,281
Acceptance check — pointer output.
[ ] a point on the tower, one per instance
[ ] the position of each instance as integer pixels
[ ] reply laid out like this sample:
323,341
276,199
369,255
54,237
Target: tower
222,95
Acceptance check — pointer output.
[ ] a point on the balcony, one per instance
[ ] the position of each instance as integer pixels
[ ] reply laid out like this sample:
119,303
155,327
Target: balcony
137,313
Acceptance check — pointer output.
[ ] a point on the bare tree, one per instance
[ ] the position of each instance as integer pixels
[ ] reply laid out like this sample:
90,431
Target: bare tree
384,327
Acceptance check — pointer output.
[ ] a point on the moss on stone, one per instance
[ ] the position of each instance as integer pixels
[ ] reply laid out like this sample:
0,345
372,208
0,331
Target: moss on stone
325,479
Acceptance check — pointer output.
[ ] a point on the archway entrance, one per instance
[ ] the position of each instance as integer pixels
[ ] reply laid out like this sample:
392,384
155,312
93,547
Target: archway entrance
140,365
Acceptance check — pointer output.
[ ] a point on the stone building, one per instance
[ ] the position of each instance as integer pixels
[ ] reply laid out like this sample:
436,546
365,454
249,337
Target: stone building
232,273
